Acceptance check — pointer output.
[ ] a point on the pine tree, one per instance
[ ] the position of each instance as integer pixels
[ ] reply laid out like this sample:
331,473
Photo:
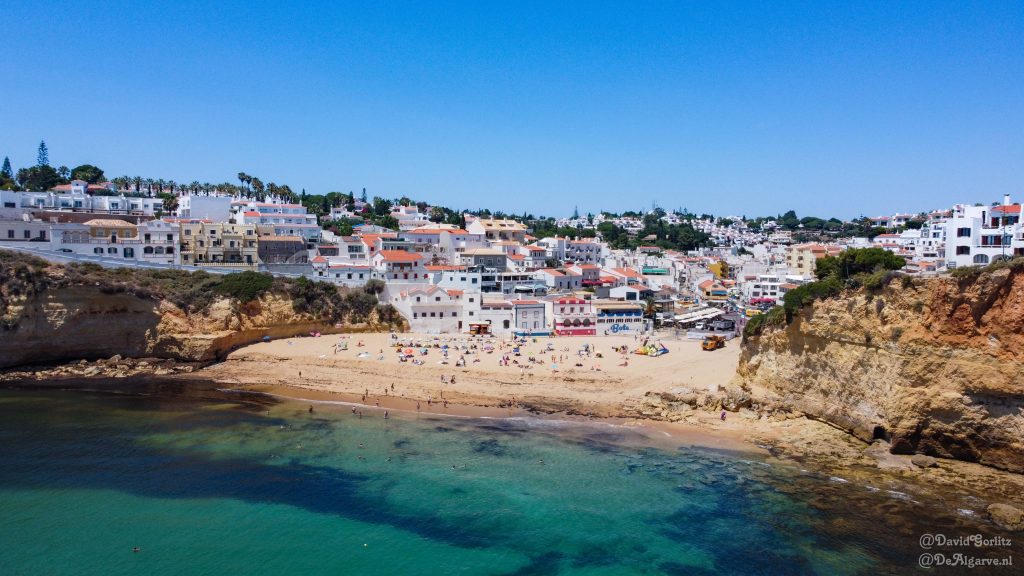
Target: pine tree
575,212
43,158
6,171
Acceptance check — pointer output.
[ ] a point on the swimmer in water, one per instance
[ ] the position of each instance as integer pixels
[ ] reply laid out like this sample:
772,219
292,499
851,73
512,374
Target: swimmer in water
135,549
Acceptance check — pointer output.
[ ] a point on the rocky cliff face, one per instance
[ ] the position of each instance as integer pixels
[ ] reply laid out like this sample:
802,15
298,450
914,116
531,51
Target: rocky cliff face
83,322
934,366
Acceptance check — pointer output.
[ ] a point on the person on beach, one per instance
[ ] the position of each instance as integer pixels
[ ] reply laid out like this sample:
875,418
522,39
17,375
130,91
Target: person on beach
723,415
310,408
385,414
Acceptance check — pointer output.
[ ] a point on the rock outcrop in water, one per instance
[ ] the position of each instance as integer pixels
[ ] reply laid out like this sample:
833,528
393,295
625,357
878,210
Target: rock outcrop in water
936,366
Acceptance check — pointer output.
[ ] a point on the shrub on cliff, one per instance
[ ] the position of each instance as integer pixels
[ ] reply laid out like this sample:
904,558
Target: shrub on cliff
374,286
775,317
388,314
361,304
21,276
856,261
319,299
972,272
807,293
245,286
753,327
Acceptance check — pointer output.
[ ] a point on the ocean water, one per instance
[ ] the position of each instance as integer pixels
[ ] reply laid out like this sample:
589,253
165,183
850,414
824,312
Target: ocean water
213,486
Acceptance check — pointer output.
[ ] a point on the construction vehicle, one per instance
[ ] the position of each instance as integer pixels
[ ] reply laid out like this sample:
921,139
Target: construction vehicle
713,343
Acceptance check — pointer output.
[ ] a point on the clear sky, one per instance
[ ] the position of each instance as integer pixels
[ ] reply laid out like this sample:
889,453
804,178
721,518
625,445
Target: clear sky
725,107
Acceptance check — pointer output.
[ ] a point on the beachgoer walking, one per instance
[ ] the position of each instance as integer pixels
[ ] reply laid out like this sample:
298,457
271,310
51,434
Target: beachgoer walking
723,415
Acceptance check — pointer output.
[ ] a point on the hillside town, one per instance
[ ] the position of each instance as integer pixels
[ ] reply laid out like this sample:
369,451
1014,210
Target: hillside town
490,274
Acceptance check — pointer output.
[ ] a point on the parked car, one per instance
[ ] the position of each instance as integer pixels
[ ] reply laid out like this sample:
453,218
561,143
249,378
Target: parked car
68,250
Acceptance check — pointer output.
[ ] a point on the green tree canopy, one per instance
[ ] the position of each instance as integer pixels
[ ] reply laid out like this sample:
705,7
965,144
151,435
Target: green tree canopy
89,173
858,261
39,178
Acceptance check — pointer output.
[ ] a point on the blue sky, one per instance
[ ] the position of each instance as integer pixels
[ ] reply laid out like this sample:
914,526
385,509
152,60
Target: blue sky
725,107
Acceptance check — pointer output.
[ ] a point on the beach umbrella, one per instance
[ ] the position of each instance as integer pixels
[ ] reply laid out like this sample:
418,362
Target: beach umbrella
408,351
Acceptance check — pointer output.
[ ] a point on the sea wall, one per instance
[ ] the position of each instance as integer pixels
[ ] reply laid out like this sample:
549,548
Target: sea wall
84,322
935,366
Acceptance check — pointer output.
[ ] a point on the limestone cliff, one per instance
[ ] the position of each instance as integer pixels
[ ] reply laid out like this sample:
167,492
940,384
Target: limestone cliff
84,322
935,366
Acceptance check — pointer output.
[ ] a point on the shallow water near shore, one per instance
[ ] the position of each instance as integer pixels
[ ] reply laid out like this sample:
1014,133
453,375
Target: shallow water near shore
205,486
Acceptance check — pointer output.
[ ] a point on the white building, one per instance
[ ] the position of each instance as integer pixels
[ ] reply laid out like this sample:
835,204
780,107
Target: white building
75,199
529,318
154,241
342,272
573,317
212,208
978,235
430,309
278,219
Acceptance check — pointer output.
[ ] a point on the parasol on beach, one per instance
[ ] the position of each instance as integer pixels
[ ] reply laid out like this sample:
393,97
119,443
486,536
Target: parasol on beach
408,351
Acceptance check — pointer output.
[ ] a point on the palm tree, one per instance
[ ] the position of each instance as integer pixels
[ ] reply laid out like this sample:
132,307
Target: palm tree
650,308
245,179
258,188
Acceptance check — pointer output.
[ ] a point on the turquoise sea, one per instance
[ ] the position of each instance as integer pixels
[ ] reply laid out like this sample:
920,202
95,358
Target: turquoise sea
208,485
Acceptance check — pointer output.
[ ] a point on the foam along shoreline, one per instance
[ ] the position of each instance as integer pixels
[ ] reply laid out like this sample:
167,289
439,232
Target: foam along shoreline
671,434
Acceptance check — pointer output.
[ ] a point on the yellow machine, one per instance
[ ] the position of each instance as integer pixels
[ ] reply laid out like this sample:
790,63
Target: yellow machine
713,342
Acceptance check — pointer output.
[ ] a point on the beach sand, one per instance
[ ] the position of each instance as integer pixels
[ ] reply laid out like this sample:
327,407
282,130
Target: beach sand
560,381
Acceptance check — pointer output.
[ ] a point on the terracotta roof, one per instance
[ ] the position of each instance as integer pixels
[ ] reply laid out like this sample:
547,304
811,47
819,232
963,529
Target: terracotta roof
524,302
399,256
1011,209
627,272
319,260
551,271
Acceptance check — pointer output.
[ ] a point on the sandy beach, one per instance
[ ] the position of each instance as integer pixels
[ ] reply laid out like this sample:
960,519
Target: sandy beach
582,375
